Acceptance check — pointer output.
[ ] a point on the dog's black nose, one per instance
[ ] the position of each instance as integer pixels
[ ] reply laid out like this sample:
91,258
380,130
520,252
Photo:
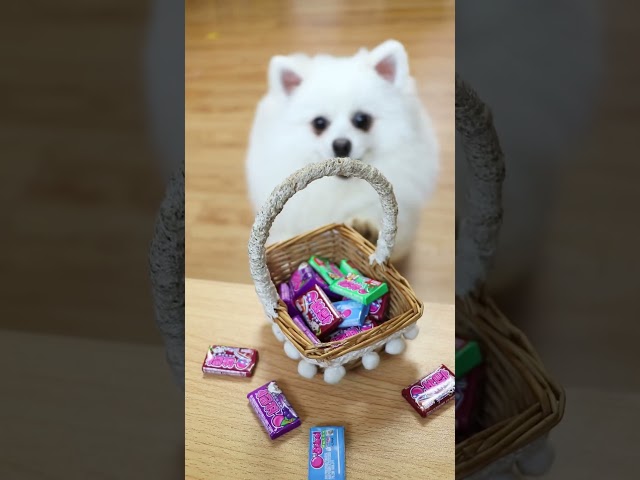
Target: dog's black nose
342,147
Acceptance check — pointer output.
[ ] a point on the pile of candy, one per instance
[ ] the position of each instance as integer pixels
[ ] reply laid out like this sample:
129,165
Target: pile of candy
327,443
469,364
330,303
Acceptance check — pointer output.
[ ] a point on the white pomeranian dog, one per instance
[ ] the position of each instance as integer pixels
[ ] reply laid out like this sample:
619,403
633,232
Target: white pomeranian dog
364,107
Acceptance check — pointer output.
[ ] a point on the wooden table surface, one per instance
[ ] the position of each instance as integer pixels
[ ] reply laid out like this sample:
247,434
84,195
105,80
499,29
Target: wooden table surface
386,438
75,408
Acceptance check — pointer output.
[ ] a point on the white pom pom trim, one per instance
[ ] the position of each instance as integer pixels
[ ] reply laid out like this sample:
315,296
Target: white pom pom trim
537,462
395,346
277,332
306,369
370,360
503,476
411,332
291,351
333,375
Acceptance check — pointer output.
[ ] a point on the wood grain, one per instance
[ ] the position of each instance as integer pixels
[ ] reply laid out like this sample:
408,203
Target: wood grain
385,436
227,49
81,408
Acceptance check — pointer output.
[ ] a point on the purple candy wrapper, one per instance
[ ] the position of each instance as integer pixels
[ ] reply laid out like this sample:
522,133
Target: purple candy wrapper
304,279
343,333
305,329
318,311
378,309
274,411
286,296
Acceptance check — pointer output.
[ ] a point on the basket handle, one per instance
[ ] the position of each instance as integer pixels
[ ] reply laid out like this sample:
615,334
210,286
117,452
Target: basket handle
297,181
479,230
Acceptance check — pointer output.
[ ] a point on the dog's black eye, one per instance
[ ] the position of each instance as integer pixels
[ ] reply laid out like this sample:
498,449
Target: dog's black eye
319,124
362,121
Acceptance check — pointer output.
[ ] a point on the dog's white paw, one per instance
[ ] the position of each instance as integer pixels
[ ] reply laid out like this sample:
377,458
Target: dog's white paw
367,228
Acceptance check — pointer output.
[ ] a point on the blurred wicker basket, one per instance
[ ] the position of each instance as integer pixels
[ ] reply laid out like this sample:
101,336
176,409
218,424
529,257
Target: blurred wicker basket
521,402
273,265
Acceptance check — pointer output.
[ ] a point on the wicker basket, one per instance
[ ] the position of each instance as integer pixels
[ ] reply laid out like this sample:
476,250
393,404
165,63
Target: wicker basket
273,265
521,402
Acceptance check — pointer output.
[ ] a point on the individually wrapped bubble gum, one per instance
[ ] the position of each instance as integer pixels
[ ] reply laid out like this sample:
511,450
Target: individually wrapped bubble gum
467,400
287,297
297,319
378,309
273,409
359,288
221,360
327,270
305,278
432,391
318,311
346,267
326,453
344,333
354,313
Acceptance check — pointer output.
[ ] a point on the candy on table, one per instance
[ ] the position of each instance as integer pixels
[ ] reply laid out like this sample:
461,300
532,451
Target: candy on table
346,267
327,270
318,311
274,411
297,319
221,360
468,355
287,297
326,453
354,313
431,392
467,394
303,280
378,309
359,288
344,333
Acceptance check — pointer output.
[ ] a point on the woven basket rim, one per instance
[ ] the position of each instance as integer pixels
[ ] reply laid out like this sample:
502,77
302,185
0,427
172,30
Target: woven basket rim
514,433
398,285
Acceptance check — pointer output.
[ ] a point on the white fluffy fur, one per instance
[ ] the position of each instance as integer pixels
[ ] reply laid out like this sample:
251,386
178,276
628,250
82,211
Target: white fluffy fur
401,142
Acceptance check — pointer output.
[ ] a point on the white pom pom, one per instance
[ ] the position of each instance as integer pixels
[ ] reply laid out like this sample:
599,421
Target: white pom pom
411,332
291,351
394,346
538,462
333,375
370,360
306,369
503,476
277,332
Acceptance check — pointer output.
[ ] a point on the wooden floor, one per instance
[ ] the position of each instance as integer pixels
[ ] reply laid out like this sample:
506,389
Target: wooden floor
79,185
228,47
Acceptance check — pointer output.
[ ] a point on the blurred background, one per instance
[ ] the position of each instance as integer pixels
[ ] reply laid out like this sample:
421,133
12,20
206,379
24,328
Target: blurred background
228,46
563,90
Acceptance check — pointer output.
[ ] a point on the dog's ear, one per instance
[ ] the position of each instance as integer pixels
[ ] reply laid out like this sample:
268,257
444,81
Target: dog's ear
389,59
284,74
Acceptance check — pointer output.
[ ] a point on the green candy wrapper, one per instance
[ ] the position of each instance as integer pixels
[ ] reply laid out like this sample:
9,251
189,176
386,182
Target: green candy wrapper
359,288
327,270
347,268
